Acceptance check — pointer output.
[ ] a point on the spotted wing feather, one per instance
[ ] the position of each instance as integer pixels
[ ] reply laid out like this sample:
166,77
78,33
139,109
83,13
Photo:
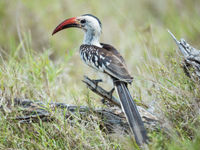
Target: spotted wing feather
107,60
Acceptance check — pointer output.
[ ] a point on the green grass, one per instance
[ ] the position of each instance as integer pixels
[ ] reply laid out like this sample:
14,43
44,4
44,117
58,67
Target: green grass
37,66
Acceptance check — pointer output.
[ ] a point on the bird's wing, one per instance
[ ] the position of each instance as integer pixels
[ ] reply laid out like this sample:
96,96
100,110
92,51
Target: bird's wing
114,63
110,48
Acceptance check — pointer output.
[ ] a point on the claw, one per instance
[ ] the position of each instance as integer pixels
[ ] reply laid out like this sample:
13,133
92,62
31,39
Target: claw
111,92
105,102
96,82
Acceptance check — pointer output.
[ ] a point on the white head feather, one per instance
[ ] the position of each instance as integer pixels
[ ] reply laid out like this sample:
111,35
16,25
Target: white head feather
92,28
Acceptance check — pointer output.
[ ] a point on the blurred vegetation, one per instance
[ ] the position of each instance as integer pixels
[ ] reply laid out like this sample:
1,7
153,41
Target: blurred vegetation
35,65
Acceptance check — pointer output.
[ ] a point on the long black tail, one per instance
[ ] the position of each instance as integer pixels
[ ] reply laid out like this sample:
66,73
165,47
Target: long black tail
131,112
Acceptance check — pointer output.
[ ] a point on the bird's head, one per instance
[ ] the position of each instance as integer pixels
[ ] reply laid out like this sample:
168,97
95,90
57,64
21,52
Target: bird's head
87,22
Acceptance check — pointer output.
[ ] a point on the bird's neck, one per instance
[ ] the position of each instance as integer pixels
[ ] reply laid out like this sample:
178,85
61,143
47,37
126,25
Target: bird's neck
91,37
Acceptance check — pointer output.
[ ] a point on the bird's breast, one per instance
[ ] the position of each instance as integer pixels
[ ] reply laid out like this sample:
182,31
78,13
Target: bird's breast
92,58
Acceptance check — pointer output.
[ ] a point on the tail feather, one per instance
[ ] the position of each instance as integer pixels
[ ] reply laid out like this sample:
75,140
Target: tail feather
131,112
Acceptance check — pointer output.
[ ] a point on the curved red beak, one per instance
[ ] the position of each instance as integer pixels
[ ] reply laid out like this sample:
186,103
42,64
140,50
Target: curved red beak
68,23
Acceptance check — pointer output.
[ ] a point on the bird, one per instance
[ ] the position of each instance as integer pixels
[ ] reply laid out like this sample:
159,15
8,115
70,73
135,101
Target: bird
106,59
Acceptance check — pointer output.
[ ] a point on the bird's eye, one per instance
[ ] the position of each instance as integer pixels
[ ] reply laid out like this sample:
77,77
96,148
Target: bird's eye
83,21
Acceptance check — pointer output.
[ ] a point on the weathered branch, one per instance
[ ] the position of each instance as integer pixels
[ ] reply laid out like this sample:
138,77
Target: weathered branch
110,119
103,93
191,58
35,111
100,91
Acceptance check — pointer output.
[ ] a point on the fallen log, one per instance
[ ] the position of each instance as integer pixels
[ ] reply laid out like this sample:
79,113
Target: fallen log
110,118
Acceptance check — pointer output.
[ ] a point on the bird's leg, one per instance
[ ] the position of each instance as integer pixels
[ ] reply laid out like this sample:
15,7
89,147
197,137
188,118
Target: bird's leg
111,92
110,96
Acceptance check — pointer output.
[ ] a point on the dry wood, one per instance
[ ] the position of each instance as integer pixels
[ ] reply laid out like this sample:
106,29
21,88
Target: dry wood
111,118
100,91
191,64
147,117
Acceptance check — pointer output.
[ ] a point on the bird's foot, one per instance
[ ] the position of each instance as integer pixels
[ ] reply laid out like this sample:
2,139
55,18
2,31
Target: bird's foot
96,82
108,103
110,93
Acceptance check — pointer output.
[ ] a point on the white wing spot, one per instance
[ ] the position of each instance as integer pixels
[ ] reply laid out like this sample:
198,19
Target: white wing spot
96,58
101,57
107,63
96,63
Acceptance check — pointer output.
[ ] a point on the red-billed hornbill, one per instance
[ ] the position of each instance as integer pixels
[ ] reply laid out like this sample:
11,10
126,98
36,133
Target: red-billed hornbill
105,58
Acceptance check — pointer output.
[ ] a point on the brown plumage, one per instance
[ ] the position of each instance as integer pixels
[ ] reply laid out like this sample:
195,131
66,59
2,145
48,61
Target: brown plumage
108,61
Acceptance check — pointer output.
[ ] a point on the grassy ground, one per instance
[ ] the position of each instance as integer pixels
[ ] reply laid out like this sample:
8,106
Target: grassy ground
35,65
